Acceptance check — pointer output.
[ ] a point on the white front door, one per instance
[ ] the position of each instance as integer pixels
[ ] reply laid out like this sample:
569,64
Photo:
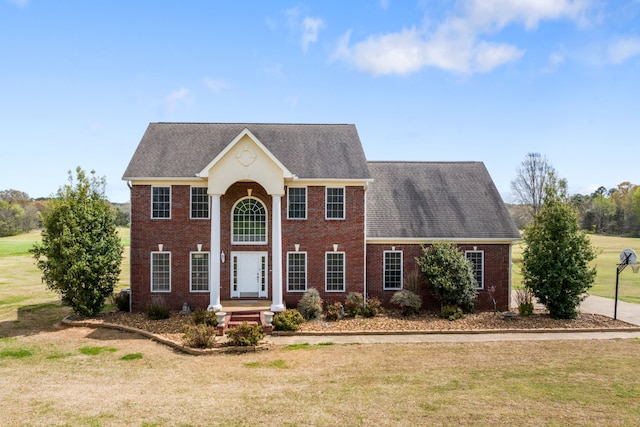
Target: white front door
249,275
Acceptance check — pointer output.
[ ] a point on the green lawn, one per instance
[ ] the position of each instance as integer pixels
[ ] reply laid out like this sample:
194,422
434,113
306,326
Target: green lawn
608,249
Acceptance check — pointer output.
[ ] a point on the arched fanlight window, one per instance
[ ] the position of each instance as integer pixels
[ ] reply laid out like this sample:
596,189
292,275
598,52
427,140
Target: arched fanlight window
249,221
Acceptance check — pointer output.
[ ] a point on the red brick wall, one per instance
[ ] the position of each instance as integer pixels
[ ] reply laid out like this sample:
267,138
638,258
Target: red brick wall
496,273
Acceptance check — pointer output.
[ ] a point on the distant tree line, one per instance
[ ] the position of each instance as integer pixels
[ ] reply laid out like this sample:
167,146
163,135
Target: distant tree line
19,213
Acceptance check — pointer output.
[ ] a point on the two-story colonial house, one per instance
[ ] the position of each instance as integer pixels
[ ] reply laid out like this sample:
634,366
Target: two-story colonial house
224,211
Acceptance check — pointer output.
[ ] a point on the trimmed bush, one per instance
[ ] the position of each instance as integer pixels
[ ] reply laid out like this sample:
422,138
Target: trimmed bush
372,308
354,304
409,302
121,300
199,336
204,317
288,320
334,312
245,335
310,305
157,312
451,312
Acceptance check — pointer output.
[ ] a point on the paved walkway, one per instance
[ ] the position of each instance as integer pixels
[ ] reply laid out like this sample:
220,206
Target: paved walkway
627,312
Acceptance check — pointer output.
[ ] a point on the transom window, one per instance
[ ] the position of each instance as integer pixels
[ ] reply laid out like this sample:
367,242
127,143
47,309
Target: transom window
199,203
249,222
297,203
199,271
392,270
160,271
161,202
335,203
477,261
296,271
334,275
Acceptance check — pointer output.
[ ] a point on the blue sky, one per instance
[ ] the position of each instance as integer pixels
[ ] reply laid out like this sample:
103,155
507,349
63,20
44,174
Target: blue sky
429,80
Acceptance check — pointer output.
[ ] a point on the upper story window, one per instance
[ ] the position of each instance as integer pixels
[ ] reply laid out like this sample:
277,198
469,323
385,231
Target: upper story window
477,261
199,203
297,203
392,270
249,222
161,202
335,203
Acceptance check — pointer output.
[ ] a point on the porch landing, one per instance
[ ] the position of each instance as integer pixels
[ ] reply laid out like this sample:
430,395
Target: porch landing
235,305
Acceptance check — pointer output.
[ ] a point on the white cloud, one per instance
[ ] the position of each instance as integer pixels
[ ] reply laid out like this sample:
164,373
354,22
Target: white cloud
555,60
175,98
215,86
622,49
456,44
310,28
19,3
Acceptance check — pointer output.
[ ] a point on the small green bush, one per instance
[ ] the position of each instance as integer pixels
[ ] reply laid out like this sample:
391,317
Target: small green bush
157,312
451,312
288,320
199,336
524,300
204,317
353,304
409,302
334,312
245,335
310,305
372,308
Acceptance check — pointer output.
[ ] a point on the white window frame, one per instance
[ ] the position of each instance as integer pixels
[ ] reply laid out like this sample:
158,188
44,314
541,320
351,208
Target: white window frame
305,271
208,264
326,203
384,270
191,204
306,198
153,202
466,255
326,271
266,223
151,281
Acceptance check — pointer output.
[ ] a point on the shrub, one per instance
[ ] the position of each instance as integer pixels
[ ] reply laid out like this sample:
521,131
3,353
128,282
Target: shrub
310,305
334,312
524,301
288,320
157,312
204,317
245,335
372,308
353,304
199,336
409,302
121,300
451,312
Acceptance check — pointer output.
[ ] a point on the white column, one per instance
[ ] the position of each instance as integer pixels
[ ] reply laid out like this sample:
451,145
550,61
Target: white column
214,257
276,255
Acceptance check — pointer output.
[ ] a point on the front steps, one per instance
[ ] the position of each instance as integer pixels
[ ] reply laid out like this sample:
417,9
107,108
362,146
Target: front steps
237,318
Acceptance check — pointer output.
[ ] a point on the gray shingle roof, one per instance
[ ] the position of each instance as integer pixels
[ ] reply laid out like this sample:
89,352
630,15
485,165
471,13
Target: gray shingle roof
313,151
447,200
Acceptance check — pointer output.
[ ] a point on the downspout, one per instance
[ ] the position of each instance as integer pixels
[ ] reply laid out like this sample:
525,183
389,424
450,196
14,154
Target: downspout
130,228
364,269
510,272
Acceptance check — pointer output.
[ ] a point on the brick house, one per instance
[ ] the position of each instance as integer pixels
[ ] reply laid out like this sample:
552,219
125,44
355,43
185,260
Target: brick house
266,211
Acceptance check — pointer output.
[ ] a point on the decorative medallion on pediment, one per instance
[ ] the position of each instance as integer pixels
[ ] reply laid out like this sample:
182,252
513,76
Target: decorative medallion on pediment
245,156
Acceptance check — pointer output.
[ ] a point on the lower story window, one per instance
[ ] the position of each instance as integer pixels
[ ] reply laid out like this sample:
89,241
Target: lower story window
296,271
477,263
160,271
334,275
199,271
392,270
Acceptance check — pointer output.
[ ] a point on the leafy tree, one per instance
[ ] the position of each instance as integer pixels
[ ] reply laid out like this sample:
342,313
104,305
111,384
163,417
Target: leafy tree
80,252
449,275
532,177
11,218
556,257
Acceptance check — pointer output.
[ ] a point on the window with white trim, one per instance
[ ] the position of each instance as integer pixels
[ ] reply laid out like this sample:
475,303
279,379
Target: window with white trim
199,203
296,271
297,203
392,270
249,222
199,271
160,271
334,203
161,202
334,271
477,262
